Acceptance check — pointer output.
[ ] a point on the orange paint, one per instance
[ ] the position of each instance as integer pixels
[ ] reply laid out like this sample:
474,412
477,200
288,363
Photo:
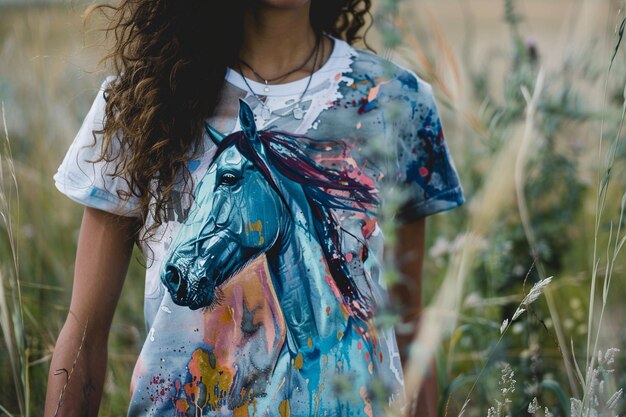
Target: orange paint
182,405
241,411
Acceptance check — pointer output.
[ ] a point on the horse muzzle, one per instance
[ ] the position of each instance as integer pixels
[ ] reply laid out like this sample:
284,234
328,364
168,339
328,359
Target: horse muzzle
191,290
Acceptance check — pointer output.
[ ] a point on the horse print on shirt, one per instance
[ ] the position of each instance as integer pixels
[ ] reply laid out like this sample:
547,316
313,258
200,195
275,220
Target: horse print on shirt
262,194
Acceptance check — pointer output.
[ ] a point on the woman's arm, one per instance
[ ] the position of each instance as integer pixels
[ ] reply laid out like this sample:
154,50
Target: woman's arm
78,365
408,294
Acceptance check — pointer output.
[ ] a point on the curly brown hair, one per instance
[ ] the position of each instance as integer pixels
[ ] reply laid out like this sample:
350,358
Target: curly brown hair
167,84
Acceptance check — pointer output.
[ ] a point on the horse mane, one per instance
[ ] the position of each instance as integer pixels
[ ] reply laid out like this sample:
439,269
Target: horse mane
325,189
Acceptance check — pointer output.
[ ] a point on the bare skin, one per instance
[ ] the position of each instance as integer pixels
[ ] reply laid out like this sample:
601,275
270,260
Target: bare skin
276,31
104,250
279,38
410,259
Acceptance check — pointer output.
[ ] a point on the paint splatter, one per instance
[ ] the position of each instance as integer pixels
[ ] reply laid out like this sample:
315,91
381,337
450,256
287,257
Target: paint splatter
284,409
298,361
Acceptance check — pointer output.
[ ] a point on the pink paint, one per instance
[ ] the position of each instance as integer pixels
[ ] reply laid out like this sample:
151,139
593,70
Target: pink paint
337,293
423,171
368,228
368,403
250,288
374,91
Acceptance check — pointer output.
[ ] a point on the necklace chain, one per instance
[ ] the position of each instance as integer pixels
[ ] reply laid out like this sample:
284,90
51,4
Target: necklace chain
280,77
297,111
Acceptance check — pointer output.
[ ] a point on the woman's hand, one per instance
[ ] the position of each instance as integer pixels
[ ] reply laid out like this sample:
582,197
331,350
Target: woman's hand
78,365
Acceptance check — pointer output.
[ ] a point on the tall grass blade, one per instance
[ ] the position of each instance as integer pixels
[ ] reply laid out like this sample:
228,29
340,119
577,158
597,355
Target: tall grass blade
11,314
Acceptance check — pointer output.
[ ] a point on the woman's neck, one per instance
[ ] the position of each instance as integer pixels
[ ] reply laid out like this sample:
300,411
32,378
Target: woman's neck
278,39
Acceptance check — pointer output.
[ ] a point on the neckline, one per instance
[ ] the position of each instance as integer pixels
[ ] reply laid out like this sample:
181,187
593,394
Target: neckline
296,87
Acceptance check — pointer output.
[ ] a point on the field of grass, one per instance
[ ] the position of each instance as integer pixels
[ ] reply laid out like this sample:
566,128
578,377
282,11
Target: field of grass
533,118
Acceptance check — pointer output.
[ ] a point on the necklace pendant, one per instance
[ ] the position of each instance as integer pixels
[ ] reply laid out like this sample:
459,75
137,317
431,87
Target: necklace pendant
267,88
266,113
298,113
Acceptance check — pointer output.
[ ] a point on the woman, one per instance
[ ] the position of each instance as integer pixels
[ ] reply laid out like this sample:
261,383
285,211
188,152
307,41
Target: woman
236,146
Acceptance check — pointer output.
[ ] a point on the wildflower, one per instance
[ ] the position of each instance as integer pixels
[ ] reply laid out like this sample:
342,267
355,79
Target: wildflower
609,356
533,407
507,383
612,402
576,407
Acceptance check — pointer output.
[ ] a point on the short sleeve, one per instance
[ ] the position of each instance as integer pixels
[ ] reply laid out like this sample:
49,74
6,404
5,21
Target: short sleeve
426,169
92,183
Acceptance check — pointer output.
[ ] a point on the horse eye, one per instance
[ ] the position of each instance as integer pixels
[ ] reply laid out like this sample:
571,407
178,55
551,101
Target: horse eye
228,179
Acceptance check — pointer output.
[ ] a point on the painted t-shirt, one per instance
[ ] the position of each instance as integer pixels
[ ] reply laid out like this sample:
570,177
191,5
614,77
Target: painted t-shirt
261,290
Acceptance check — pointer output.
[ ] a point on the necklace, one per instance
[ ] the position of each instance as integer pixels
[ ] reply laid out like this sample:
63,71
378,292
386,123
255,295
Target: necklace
297,111
280,77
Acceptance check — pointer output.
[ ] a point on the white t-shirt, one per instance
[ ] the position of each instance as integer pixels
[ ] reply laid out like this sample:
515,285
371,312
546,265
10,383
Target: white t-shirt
260,291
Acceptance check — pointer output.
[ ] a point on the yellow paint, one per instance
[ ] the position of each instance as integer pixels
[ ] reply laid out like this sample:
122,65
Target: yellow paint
298,361
344,311
317,398
256,227
379,80
213,378
254,406
309,343
284,409
339,335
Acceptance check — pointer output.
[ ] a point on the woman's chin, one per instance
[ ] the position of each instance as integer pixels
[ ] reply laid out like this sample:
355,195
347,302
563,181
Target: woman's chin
283,4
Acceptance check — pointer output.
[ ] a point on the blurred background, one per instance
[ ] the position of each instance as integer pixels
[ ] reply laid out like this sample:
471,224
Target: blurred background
533,118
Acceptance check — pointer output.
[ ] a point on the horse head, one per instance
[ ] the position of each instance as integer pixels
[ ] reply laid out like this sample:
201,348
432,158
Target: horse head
238,216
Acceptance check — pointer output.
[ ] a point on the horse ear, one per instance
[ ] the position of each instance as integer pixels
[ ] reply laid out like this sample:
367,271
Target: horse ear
246,119
215,135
